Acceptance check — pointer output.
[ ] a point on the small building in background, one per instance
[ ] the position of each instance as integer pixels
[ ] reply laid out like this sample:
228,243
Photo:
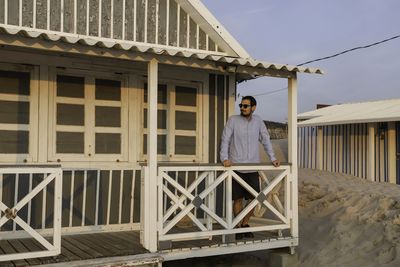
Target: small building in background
361,139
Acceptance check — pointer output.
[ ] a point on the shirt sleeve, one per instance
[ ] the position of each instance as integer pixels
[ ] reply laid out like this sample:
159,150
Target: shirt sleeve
226,140
266,142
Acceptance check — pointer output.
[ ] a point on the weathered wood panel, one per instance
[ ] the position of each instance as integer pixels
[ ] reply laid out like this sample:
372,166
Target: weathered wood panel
140,20
27,13
192,34
202,40
129,19
81,24
221,91
69,14
55,15
137,198
41,14
162,22
211,44
78,199
13,12
2,11
94,18
183,22
173,23
151,21
106,18
147,21
117,19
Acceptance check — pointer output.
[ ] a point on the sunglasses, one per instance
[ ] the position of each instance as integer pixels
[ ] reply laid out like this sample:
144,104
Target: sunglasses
244,106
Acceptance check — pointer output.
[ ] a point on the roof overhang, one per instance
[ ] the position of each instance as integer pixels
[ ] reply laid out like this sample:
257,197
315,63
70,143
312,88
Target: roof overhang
352,113
244,69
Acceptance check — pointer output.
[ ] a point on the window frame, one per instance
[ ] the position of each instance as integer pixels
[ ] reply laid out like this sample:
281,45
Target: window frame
89,128
171,131
32,127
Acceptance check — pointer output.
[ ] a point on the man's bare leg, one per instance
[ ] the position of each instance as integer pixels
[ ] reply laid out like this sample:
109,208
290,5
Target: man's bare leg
246,218
237,206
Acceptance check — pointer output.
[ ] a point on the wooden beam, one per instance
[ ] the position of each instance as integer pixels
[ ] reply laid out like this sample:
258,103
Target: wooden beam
371,151
320,148
392,152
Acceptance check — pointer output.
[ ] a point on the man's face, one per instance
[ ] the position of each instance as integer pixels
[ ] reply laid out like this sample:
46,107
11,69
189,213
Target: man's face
246,109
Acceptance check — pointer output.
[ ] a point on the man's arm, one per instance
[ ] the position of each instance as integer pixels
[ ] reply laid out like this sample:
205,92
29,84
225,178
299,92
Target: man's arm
225,141
266,142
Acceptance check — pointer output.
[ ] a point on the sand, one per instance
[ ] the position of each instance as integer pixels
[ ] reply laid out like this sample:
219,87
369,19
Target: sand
347,221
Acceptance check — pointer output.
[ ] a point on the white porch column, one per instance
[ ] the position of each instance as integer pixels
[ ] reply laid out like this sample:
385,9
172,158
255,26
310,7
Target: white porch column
320,148
371,152
150,227
292,150
392,152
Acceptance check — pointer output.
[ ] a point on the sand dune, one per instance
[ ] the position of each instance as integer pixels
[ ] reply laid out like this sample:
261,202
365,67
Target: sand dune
347,221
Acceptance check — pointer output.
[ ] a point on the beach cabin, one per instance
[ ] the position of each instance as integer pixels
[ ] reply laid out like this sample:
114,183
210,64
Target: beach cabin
111,113
361,139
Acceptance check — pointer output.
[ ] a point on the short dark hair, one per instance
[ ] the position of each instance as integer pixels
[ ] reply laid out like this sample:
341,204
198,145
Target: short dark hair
253,101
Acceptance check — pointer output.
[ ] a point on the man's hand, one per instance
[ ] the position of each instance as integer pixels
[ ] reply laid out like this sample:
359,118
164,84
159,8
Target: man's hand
227,163
276,163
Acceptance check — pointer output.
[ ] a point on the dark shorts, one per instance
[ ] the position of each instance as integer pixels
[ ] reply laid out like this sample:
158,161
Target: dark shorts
239,192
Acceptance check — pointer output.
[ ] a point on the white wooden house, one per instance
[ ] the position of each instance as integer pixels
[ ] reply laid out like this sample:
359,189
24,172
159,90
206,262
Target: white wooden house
361,139
111,113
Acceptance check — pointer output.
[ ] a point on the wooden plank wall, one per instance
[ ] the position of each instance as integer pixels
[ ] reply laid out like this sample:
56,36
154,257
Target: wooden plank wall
218,115
344,149
146,21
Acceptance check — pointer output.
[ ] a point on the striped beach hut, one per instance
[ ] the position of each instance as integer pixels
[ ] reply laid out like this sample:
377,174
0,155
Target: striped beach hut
111,112
361,139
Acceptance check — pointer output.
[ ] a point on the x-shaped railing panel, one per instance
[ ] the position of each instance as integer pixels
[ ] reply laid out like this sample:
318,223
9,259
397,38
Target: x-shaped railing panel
11,213
185,200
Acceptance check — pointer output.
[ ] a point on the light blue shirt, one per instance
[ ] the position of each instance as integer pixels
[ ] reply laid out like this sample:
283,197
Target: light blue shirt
241,137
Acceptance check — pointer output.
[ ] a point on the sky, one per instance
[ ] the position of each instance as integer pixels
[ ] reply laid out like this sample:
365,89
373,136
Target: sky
293,32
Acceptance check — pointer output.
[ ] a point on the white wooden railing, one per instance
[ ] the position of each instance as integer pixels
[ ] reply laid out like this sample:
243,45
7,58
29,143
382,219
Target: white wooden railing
202,194
11,211
93,199
108,198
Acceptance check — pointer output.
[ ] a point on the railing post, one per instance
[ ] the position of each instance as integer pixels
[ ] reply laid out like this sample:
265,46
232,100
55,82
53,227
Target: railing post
211,199
57,210
228,200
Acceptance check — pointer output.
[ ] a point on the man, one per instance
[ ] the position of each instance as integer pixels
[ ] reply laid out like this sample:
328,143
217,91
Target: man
240,144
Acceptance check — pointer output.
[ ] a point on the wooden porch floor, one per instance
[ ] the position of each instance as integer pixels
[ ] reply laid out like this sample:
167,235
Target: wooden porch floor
105,245
77,248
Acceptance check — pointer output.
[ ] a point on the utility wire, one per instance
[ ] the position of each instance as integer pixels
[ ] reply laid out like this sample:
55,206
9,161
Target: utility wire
335,55
350,50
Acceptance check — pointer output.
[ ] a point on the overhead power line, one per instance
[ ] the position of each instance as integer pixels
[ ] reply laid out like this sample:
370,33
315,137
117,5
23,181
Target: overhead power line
335,55
350,50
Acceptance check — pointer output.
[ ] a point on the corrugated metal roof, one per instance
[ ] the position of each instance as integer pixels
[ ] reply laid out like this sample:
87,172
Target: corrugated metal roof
148,48
374,111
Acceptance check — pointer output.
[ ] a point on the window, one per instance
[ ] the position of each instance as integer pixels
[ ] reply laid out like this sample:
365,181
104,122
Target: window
90,118
179,122
18,109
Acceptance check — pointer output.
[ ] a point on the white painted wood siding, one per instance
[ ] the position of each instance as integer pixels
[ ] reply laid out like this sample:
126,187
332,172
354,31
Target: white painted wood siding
156,22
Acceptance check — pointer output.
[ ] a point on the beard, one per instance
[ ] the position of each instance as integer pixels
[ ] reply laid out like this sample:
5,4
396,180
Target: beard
245,115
